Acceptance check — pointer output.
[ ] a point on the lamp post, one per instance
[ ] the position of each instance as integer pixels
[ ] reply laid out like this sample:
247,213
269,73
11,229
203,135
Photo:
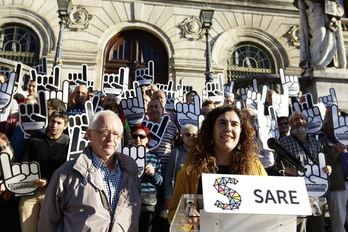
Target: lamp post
64,7
206,17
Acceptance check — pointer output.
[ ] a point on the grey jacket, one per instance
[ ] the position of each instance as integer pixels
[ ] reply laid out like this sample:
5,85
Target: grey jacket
75,199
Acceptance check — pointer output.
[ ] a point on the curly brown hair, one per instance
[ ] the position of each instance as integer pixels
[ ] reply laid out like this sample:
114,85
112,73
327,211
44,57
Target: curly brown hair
201,158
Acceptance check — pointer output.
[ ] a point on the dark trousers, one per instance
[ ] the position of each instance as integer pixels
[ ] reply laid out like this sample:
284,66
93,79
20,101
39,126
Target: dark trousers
146,221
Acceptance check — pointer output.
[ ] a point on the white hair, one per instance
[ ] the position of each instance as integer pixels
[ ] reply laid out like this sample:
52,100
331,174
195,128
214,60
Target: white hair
188,126
102,113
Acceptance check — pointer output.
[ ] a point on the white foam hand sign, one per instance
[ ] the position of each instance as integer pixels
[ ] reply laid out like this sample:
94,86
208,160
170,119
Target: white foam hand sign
187,113
280,103
133,108
116,83
244,91
127,93
340,125
215,91
139,155
18,177
170,96
169,93
78,120
80,78
204,95
6,92
82,120
228,89
95,102
254,98
41,68
179,92
239,104
273,122
16,75
146,76
157,131
168,86
77,142
291,82
267,126
312,113
330,99
33,117
315,178
47,82
60,94
182,90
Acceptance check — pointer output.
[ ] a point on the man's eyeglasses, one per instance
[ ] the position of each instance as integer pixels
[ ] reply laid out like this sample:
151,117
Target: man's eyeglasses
283,123
135,136
106,133
190,135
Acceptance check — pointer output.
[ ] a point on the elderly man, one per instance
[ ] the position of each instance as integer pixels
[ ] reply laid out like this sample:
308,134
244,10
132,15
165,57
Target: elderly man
160,95
229,100
79,96
306,149
100,190
155,111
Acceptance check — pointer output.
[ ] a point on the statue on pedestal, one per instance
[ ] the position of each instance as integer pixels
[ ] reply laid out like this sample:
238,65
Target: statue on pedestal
321,37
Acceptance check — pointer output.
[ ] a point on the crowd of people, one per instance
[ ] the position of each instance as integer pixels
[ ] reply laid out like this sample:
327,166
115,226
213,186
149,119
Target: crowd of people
101,188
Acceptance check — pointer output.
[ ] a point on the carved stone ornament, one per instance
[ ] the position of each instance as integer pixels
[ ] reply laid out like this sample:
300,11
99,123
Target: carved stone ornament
294,35
192,28
78,19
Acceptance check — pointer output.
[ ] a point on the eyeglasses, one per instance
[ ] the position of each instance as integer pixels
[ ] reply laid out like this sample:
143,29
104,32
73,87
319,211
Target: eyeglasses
283,123
106,133
135,136
190,135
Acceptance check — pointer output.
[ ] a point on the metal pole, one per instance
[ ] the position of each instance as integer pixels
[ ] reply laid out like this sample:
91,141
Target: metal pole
58,57
208,68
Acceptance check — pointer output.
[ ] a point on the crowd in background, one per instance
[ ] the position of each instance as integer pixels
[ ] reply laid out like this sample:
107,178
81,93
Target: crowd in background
227,142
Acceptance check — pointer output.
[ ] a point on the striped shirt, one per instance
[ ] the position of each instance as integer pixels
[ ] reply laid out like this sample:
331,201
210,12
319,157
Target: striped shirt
163,150
149,183
111,180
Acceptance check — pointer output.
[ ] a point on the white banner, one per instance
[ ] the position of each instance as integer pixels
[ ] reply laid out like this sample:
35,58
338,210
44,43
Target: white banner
223,193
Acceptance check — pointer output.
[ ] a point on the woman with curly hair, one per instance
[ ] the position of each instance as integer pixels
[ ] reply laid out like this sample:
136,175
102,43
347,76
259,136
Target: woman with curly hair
225,144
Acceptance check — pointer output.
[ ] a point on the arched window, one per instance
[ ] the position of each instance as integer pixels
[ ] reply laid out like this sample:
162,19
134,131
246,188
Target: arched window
248,59
134,49
19,43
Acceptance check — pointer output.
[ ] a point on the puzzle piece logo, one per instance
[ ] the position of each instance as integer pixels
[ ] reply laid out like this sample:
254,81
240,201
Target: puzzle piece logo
233,196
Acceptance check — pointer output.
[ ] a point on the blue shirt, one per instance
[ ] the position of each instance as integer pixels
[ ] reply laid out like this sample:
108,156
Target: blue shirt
111,180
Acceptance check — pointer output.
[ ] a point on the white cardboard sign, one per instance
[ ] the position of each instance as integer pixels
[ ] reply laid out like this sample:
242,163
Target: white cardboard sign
241,194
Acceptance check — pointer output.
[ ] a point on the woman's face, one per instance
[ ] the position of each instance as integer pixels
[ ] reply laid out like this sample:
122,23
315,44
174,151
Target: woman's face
139,138
189,136
226,134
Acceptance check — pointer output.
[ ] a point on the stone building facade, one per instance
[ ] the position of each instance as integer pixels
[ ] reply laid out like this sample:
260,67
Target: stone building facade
108,34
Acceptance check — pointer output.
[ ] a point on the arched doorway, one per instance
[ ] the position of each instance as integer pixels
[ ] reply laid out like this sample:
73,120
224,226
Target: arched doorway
134,49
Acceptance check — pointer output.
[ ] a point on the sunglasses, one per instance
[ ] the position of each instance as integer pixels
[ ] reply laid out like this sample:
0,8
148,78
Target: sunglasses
135,136
283,123
190,135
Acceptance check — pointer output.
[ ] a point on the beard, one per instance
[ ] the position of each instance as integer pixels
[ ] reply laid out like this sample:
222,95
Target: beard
299,130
